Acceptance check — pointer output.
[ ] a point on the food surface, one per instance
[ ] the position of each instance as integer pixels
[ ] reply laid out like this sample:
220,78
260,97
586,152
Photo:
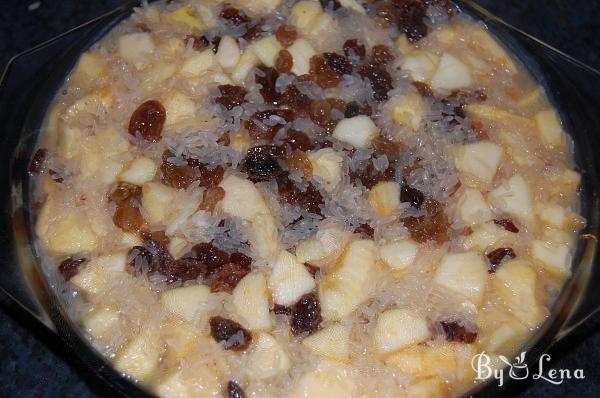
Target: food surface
333,198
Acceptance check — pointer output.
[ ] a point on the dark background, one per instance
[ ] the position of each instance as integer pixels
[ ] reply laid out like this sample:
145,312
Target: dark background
34,364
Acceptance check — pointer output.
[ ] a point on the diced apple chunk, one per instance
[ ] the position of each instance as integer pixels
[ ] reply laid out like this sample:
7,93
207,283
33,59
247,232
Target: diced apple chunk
550,128
552,214
408,111
185,302
177,246
203,382
135,48
327,165
186,15
432,387
329,379
425,360
483,41
100,323
289,279
99,272
251,301
506,337
179,108
451,74
91,65
267,358
487,235
301,52
514,197
71,234
515,283
140,356
156,199
342,291
265,237
554,257
325,247
495,114
304,14
464,274
357,131
473,208
199,63
229,52
267,50
384,198
140,171
332,342
242,199
479,160
421,65
247,61
399,328
353,5
399,255
69,140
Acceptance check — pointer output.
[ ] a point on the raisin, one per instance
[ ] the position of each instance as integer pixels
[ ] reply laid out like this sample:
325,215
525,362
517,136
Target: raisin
410,18
181,176
352,109
199,43
185,269
234,390
125,193
507,225
320,112
369,177
37,163
387,14
322,73
379,78
128,218
286,35
267,77
212,197
330,4
70,267
310,200
227,277
297,140
240,259
411,195
381,54
260,163
277,118
255,30
306,315
455,332
296,101
235,16
281,310
365,230
385,146
55,176
206,253
498,256
215,43
338,63
433,227
424,89
479,131
148,121
284,62
312,269
354,47
230,334
231,96
153,256
299,161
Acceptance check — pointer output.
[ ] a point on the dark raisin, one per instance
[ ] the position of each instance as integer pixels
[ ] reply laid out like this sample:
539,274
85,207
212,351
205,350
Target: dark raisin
208,254
411,195
240,259
286,35
212,197
498,256
338,63
231,96
180,176
306,315
296,101
234,390
322,73
267,77
310,200
330,4
185,269
284,62
385,146
70,267
320,112
365,230
37,163
507,225
215,43
235,16
230,334
227,277
352,109
148,121
387,14
432,227
410,18
380,79
125,193
281,310
457,333
297,140
199,43
477,128
424,89
298,160
381,54
265,124
354,47
261,164
153,256
255,30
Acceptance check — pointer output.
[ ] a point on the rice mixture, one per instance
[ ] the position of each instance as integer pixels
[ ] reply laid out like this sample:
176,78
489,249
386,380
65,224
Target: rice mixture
305,199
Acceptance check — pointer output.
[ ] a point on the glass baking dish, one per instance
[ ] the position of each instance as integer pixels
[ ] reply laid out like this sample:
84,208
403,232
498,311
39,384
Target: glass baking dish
32,78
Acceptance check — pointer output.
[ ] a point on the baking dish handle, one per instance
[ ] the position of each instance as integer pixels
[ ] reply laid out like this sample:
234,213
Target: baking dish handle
20,278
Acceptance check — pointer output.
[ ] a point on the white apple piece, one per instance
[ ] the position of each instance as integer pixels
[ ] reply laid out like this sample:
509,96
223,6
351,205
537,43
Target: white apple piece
267,50
483,41
550,128
342,290
203,382
479,160
179,108
91,65
421,65
327,165
332,342
185,302
325,247
357,131
198,63
515,283
289,279
464,274
552,214
301,52
329,379
140,356
553,256
264,237
473,208
451,74
408,111
495,114
177,246
229,52
304,14
242,199
139,171
99,272
135,48
506,337
247,62
399,328
432,387
514,197
251,301
384,198
267,358
399,255
487,235
69,140
100,323
156,200
187,16
68,234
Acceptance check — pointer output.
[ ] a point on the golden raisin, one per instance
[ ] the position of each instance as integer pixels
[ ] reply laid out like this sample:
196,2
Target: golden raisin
286,35
284,62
